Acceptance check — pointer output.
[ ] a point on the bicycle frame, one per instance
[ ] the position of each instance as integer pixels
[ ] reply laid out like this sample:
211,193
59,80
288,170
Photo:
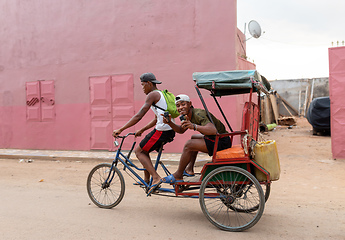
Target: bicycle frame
132,167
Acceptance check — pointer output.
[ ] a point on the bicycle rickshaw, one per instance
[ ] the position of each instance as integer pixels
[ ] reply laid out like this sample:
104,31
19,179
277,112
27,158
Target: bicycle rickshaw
230,195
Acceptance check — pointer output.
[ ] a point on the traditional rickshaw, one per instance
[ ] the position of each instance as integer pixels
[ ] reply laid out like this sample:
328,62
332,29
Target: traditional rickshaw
232,188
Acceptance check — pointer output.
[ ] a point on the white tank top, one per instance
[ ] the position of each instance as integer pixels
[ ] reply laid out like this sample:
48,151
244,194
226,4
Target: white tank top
160,125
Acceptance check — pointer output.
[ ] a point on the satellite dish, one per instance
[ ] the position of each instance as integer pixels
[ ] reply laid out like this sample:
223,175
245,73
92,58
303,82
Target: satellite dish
254,29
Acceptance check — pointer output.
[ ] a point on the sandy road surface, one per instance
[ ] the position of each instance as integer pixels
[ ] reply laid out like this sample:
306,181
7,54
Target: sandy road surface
48,200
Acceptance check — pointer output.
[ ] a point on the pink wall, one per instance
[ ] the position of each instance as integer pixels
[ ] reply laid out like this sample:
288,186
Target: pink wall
336,91
70,41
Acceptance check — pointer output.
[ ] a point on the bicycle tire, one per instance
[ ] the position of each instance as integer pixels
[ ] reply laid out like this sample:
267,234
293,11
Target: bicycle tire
105,195
223,192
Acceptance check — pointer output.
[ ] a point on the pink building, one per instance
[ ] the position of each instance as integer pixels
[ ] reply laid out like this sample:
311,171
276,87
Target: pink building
336,94
69,70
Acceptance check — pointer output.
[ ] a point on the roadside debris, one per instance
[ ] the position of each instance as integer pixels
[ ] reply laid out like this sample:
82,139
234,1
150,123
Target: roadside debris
27,161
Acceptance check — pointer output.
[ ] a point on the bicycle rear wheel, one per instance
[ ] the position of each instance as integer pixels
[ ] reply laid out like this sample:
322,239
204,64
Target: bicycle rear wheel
105,194
228,196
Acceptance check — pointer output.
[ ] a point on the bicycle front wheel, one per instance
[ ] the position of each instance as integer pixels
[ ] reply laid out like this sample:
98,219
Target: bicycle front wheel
105,194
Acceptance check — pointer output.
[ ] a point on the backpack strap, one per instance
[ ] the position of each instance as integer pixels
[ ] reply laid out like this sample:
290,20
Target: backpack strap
158,107
154,105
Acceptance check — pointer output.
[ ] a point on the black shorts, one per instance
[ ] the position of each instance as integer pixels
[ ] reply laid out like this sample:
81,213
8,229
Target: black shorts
223,143
155,139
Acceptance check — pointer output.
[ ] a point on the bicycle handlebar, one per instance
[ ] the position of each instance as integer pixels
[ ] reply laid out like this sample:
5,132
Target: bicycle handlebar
123,138
125,135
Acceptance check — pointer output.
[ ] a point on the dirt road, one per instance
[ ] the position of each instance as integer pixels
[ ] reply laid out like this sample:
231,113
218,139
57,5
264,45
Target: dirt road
48,200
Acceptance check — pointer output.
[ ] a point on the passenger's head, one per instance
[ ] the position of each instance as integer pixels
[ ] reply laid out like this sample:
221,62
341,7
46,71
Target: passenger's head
183,104
148,82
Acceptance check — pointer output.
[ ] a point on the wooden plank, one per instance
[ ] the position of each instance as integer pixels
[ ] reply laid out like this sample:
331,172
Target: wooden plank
268,111
274,107
305,102
287,108
287,103
262,108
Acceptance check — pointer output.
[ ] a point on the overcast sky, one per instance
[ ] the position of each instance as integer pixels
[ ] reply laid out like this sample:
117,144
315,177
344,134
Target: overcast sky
296,38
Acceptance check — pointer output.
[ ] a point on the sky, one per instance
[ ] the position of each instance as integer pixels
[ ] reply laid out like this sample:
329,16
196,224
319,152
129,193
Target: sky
296,35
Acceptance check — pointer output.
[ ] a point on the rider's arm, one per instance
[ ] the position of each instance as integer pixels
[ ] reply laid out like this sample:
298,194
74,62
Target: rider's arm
150,124
150,99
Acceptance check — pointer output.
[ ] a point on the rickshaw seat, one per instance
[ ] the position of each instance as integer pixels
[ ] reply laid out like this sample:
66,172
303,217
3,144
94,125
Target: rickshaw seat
250,124
233,152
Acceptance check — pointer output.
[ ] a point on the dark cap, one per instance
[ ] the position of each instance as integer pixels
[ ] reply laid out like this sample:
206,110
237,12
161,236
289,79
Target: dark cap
149,77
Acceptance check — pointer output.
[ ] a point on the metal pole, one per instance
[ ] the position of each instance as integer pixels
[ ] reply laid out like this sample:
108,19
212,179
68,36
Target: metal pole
204,104
226,120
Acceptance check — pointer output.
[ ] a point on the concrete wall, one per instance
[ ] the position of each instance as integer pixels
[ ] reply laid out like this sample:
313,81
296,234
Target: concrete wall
291,88
70,41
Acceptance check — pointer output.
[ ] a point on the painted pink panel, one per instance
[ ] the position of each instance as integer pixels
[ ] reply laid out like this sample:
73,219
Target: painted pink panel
123,102
101,124
100,134
100,112
336,91
123,89
33,105
125,112
100,90
47,100
123,97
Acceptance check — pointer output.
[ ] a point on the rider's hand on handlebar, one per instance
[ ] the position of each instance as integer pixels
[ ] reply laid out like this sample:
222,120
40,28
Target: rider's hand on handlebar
116,133
138,133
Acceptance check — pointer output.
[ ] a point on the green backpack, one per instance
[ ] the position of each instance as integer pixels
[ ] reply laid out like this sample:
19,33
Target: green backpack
170,99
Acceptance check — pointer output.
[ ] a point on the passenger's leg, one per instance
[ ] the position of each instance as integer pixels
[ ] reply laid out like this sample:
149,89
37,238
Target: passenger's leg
191,148
145,160
190,166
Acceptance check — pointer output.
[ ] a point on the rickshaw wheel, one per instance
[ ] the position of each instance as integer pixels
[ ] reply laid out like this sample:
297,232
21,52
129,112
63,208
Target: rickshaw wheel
224,192
266,188
105,195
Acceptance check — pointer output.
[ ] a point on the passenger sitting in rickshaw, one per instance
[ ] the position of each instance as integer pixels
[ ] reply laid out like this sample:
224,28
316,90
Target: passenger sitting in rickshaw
195,119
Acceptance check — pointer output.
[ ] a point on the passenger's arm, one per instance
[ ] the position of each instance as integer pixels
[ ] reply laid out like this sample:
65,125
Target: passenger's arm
174,126
208,129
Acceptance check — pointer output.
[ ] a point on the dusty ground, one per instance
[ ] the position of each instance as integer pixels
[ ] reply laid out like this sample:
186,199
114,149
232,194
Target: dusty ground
48,200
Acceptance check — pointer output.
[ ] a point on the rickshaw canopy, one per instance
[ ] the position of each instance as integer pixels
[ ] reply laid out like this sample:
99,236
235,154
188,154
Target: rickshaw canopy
230,82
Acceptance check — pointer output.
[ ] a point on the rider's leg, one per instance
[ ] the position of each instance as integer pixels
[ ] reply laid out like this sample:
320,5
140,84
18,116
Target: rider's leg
190,149
145,160
146,176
